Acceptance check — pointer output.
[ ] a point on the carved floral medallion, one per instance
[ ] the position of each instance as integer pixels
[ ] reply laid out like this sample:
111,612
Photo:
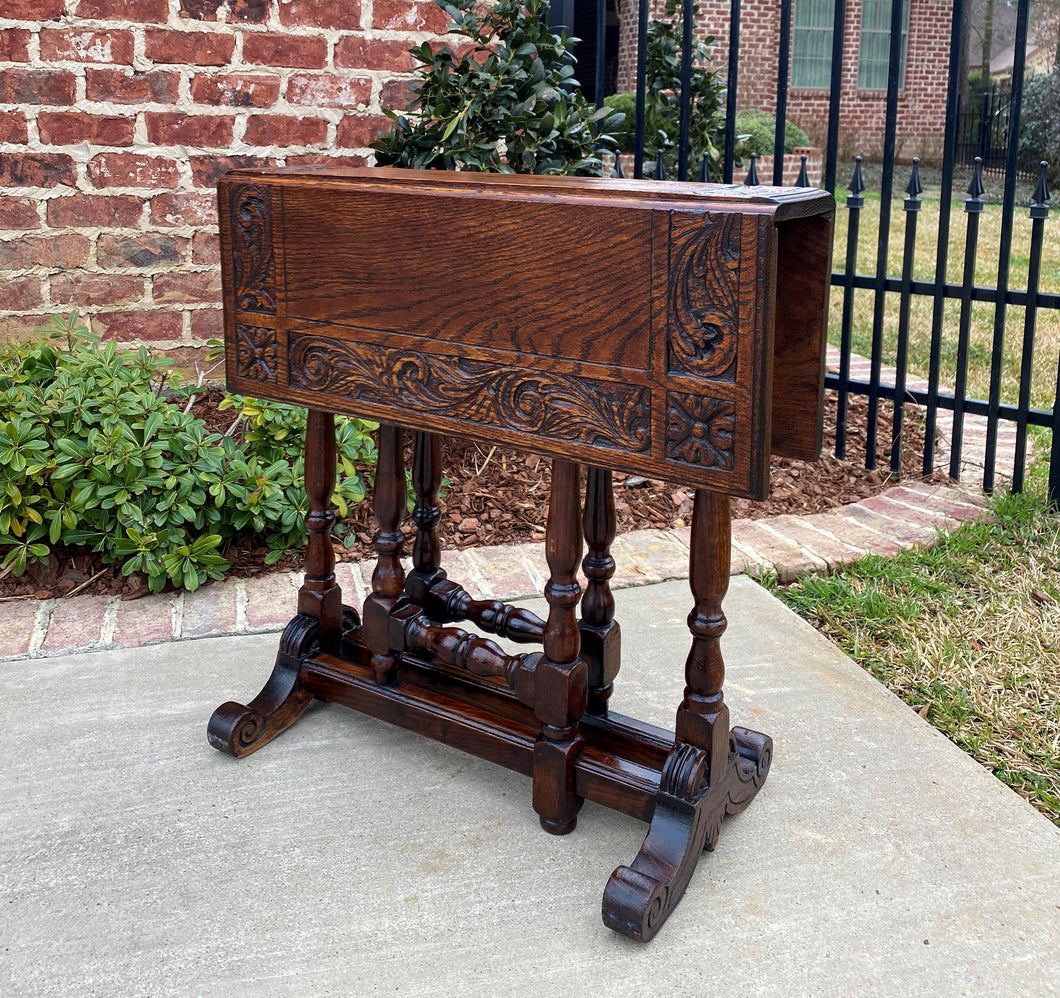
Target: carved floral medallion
256,353
700,430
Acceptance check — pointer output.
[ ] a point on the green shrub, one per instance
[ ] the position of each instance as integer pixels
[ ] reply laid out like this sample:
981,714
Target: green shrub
1040,125
662,102
756,132
508,104
97,450
977,86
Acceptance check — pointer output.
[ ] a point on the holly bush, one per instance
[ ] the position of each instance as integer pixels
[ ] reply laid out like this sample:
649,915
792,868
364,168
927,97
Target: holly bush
507,102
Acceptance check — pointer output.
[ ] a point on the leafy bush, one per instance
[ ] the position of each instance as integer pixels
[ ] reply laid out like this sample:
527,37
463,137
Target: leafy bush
1040,125
98,450
662,103
756,131
977,85
508,103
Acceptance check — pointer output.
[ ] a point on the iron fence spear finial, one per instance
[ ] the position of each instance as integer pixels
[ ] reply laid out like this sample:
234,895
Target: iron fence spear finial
914,188
1039,209
803,179
752,174
976,190
856,186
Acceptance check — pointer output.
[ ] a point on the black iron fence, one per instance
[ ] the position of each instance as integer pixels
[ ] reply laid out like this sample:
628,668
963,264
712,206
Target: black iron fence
983,128
952,297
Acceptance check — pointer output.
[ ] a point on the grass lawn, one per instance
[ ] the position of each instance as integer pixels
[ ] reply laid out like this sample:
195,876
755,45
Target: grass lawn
1046,346
967,633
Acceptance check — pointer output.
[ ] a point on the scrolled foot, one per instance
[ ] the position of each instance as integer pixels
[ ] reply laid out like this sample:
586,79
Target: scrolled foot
239,730
638,898
635,904
687,819
351,619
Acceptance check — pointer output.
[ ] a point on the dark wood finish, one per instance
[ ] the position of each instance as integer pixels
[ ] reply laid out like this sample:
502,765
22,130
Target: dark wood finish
447,601
798,361
689,346
561,681
600,632
240,730
703,718
388,579
320,596
657,359
426,481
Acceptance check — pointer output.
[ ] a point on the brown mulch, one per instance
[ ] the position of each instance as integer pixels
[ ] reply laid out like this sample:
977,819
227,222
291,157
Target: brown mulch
496,496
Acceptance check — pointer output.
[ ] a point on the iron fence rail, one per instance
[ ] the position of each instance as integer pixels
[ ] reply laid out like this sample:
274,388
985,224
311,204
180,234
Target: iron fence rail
886,281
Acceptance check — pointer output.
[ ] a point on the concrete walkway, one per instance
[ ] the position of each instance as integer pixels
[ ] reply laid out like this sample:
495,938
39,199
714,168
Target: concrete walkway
350,858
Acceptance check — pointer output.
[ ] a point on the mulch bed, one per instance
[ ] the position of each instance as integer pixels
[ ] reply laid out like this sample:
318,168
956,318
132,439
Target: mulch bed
497,496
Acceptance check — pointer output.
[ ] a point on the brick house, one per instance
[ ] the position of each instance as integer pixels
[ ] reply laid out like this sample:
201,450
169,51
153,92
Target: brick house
117,117
925,65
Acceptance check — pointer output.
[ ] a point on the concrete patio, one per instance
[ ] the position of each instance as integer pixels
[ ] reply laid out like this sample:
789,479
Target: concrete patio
350,858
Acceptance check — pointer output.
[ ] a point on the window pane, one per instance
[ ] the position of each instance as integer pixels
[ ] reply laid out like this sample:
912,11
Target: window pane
875,44
811,44
814,14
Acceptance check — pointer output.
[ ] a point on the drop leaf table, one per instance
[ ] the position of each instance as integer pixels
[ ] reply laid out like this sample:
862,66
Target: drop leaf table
669,330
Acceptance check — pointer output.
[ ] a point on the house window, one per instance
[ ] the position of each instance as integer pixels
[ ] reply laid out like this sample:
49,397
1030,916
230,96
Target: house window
811,44
875,44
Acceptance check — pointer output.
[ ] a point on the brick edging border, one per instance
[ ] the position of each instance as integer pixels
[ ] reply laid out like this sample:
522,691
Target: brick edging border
908,515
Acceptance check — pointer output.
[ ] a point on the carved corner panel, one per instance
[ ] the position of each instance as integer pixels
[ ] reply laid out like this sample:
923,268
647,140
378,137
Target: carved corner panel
703,311
257,353
554,406
254,279
700,431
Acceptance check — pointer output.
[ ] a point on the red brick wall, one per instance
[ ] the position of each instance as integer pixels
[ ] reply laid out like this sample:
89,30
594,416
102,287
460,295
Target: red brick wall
921,104
118,116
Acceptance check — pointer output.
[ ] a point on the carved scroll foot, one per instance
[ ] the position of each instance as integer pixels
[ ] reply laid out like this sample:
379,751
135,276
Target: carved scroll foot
687,819
239,730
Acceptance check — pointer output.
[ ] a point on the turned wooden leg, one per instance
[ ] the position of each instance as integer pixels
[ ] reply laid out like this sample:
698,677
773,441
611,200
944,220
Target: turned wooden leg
710,772
237,729
703,717
320,595
426,481
560,685
600,635
388,579
426,549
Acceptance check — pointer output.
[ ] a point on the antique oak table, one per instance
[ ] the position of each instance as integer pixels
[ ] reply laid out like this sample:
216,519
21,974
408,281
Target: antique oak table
669,330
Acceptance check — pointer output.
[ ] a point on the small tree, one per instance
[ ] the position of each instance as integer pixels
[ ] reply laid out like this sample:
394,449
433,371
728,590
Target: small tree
507,102
662,102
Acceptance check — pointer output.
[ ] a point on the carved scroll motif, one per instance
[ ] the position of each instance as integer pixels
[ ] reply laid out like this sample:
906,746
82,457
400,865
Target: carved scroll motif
561,407
252,264
704,296
256,353
700,430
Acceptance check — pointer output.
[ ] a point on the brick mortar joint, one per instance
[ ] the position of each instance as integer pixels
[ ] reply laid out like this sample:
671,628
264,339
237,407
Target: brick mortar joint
816,527
41,623
798,547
